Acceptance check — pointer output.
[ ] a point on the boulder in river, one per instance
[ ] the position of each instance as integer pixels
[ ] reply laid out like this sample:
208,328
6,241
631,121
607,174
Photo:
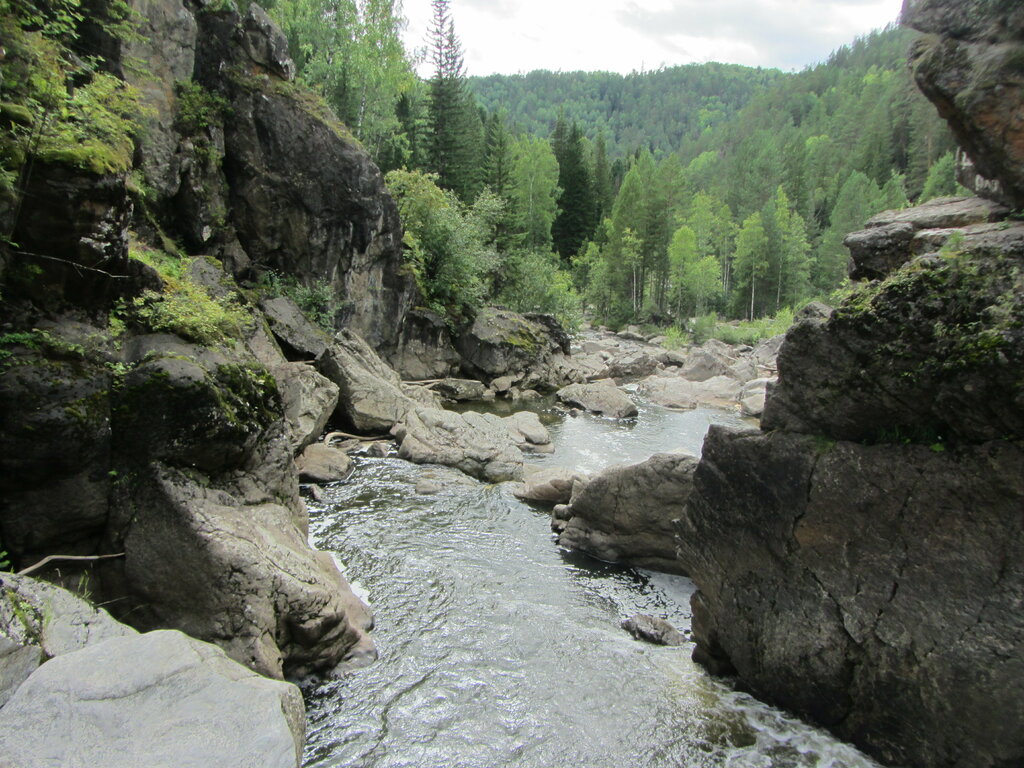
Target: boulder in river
601,397
549,485
321,463
630,514
467,441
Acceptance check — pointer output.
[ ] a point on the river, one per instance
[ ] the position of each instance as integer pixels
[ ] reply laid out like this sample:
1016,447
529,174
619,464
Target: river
499,649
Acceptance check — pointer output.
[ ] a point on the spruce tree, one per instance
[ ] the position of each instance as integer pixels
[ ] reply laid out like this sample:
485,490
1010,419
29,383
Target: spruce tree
578,217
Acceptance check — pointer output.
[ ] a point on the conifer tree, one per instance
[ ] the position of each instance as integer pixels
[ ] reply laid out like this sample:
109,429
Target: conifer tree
578,217
456,130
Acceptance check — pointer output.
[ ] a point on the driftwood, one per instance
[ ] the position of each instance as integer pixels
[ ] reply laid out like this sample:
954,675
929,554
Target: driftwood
76,558
346,436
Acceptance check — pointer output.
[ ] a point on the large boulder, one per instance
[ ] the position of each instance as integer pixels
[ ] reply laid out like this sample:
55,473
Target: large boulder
320,463
970,66
467,441
601,397
549,485
704,363
309,401
630,514
893,238
371,398
531,350
874,589
675,392
156,699
527,431
931,354
39,621
424,347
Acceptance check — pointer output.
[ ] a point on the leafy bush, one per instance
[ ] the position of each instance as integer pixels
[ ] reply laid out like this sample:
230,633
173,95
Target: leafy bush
448,246
741,332
317,300
534,282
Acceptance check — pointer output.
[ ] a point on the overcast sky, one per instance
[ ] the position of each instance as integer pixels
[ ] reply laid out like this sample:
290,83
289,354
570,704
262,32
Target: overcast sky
509,36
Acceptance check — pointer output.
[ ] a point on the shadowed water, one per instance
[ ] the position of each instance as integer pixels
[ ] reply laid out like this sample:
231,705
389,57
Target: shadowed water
498,649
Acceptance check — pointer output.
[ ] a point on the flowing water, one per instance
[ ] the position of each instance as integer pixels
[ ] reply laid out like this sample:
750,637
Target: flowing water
499,649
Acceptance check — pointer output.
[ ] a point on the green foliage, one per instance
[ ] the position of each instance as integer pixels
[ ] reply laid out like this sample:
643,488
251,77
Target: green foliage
449,246
198,109
64,107
38,340
536,282
317,300
184,308
741,332
351,53
941,181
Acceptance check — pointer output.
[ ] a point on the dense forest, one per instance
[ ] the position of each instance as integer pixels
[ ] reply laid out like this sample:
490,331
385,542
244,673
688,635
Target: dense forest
694,191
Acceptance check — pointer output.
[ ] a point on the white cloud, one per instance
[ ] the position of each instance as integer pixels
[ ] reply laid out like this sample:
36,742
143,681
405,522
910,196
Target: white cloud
509,36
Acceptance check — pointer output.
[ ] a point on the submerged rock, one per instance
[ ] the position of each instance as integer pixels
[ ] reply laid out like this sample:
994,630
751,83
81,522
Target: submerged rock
653,630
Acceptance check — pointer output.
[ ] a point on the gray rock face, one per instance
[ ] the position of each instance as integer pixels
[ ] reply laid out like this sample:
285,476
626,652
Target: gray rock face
156,699
467,441
531,352
874,589
424,348
371,399
932,353
601,397
55,444
970,67
301,197
893,238
39,621
652,630
630,514
309,401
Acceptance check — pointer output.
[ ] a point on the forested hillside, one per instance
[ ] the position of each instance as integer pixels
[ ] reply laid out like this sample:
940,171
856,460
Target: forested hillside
652,197
653,110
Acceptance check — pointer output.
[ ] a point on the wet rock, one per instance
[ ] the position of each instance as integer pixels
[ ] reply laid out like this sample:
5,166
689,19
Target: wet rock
320,463
630,514
467,441
601,397
528,433
653,630
156,699
378,450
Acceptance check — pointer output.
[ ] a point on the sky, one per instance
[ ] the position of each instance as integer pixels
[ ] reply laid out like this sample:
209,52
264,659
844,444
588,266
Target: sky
510,36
